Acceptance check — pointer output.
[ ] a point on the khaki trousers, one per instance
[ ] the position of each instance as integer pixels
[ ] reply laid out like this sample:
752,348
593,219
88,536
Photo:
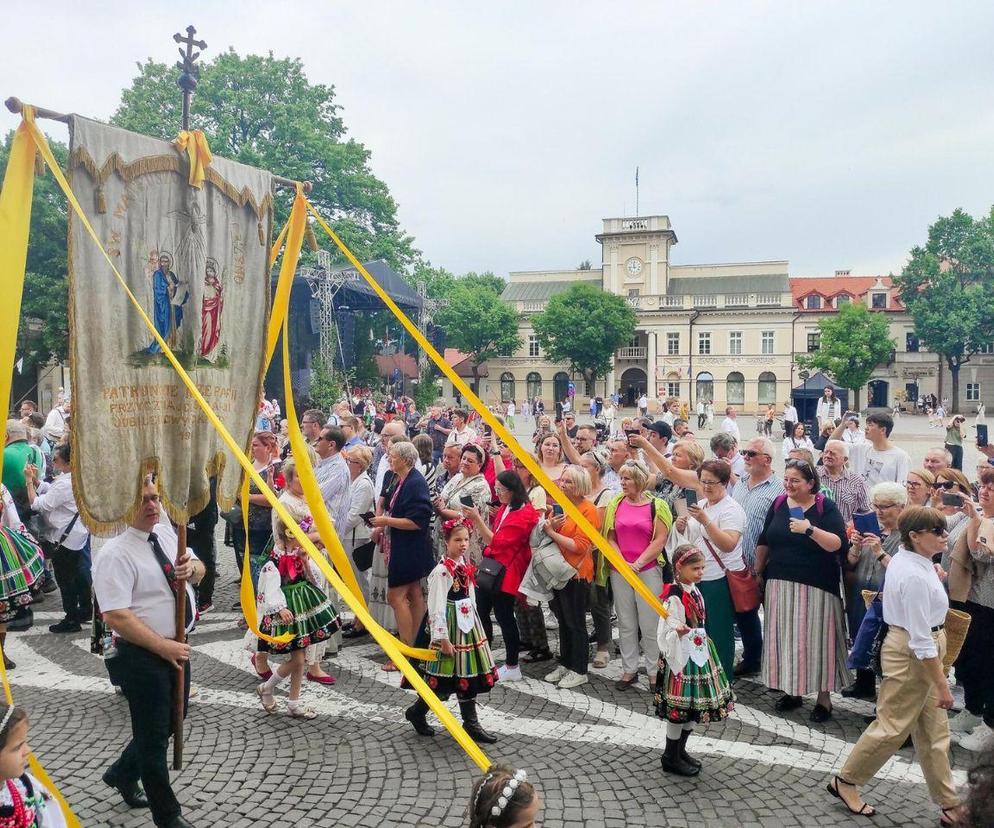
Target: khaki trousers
906,705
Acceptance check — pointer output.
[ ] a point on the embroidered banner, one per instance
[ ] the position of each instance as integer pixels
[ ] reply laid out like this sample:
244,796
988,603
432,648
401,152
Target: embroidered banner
197,259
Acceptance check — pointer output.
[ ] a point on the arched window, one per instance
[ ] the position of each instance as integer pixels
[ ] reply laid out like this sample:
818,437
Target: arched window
735,389
534,383
506,386
705,386
767,388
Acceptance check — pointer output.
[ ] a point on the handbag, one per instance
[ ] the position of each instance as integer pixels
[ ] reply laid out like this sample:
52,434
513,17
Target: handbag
742,584
362,554
490,575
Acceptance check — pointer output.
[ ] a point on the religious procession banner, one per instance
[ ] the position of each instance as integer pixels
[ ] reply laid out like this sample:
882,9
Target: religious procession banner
190,235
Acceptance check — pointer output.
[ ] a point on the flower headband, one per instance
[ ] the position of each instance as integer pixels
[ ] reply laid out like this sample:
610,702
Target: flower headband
6,718
508,792
450,525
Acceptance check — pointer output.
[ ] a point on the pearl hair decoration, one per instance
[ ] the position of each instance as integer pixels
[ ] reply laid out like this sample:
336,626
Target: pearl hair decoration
6,718
508,792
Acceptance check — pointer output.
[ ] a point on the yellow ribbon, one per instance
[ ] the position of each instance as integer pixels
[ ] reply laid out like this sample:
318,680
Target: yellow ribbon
15,221
623,567
194,144
294,234
381,636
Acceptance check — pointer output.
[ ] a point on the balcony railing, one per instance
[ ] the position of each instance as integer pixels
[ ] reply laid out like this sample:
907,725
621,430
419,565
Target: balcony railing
736,300
710,301
669,301
768,300
632,353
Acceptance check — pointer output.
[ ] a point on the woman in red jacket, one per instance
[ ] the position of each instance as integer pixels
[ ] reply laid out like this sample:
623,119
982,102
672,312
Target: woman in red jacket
507,542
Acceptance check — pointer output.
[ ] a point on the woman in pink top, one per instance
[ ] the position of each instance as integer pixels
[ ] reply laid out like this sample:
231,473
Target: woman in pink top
637,525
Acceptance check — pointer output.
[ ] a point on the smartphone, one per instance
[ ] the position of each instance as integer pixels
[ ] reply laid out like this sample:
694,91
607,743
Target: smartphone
952,499
557,509
982,434
867,524
487,429
466,500
690,495
797,512
367,517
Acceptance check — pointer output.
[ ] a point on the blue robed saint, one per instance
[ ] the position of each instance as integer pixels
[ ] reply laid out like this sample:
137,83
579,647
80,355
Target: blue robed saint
162,311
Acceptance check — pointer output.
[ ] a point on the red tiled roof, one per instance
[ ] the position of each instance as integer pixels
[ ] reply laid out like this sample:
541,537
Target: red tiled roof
832,286
462,364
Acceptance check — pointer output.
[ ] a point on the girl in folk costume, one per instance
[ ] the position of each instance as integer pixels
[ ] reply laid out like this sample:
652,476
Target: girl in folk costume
22,565
465,665
288,601
24,801
691,686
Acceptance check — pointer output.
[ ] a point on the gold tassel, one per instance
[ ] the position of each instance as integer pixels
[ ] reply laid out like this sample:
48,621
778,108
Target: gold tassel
101,201
262,235
312,242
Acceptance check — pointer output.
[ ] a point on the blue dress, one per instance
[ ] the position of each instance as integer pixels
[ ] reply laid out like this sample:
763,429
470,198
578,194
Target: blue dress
410,556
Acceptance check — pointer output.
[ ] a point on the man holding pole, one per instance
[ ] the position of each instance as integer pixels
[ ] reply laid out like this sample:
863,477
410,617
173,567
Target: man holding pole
137,583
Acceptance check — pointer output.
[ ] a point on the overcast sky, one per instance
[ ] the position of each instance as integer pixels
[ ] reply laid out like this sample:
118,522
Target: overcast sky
826,133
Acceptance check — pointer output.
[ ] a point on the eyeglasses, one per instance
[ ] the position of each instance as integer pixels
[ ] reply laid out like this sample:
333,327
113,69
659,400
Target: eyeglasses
750,453
354,462
944,484
706,483
325,437
882,506
912,485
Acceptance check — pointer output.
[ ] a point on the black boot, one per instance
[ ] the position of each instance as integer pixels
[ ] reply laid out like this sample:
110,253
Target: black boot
472,724
673,762
416,715
865,686
690,760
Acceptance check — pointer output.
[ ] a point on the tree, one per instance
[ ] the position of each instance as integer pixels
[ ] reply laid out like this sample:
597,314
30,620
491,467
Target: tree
325,388
948,288
583,327
479,323
584,265
263,111
43,331
853,342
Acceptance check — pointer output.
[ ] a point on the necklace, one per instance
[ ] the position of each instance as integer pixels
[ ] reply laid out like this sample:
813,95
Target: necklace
21,816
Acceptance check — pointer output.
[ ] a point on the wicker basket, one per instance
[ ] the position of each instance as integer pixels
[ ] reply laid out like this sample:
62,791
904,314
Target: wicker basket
957,625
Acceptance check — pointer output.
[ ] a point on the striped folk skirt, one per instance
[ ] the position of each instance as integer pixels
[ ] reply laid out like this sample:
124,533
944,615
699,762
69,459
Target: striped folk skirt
805,647
21,567
315,620
379,608
719,620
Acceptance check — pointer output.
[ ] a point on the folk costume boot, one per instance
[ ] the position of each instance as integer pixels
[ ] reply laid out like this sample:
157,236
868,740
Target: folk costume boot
690,760
673,762
416,714
472,724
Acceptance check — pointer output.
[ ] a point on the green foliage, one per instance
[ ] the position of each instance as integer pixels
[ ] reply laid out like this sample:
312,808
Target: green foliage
853,342
325,388
478,322
426,392
948,289
43,332
584,265
263,111
583,327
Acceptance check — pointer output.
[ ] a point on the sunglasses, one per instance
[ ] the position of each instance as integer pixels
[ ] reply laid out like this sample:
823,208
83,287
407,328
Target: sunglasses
944,484
750,453
938,531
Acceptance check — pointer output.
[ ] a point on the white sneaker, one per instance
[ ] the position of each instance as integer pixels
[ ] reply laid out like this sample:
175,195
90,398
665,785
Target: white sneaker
963,722
505,673
978,738
558,673
571,680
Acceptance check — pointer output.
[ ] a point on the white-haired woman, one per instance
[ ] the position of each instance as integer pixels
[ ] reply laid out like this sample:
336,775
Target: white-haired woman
636,524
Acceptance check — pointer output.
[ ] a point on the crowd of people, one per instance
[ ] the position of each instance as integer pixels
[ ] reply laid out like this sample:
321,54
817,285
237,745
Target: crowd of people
833,567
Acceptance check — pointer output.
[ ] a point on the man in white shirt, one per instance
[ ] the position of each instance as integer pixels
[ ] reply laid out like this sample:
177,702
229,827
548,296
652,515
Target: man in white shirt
729,424
133,580
643,405
702,414
65,539
461,433
878,459
789,418
332,473
57,423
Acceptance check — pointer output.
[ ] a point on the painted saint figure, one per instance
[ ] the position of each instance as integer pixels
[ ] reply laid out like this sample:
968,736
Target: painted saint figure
210,314
163,281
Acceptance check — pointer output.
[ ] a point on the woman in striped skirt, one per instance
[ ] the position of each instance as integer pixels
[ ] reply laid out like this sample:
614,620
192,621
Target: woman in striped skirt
799,553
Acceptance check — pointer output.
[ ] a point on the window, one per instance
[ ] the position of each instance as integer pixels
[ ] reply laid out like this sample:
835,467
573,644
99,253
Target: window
814,341
534,385
504,351
672,389
735,389
533,345
878,301
703,342
813,302
705,387
973,392
506,387
735,342
633,293
672,344
842,299
634,341
767,388
767,342
911,342
987,348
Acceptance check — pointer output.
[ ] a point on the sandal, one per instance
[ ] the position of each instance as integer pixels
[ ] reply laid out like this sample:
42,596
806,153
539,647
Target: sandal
601,659
956,810
866,810
268,699
302,712
389,667
624,684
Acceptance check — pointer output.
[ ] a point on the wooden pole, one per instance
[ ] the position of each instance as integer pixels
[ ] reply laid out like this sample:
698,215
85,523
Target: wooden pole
178,695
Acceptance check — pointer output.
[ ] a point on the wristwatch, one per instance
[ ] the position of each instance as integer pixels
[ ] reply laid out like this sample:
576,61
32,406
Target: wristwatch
809,531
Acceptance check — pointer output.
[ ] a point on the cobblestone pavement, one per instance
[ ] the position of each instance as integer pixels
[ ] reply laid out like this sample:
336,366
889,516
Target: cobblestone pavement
594,751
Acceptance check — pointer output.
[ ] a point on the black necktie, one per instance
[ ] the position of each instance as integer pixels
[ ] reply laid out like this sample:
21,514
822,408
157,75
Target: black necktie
167,570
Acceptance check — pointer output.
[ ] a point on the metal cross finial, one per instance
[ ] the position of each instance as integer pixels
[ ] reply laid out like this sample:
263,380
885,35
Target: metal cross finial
189,68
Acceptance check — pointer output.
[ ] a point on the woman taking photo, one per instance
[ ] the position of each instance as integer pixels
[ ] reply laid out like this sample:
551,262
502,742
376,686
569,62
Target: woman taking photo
799,553
402,532
507,543
716,529
951,482
599,597
636,525
467,488
914,694
569,604
373,582
797,439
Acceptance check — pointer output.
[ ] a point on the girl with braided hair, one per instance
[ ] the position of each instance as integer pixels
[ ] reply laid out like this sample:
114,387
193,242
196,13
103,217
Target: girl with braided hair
503,798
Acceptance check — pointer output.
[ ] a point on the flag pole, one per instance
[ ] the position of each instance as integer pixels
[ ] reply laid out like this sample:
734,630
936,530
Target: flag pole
179,700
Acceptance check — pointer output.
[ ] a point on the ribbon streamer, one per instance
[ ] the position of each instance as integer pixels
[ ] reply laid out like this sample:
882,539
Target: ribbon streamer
194,143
